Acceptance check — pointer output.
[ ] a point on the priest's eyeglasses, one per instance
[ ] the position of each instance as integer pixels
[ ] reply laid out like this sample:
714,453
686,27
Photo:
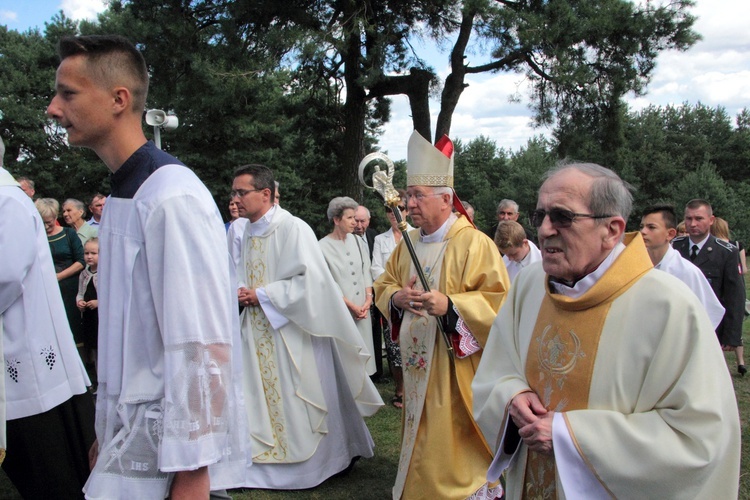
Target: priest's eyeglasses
419,197
243,192
560,218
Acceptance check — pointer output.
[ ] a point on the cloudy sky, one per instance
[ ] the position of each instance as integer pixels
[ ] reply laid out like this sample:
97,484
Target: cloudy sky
715,71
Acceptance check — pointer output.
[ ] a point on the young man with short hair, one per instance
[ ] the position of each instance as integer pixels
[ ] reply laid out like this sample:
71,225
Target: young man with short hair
168,419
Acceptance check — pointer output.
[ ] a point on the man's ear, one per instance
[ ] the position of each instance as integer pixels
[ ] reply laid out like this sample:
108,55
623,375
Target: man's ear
615,230
121,99
671,233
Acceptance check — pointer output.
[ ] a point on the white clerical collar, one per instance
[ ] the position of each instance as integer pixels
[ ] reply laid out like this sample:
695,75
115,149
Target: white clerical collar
438,235
584,284
259,226
700,243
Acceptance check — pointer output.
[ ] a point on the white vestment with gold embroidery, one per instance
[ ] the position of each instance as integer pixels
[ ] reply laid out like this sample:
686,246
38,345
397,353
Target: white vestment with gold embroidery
304,382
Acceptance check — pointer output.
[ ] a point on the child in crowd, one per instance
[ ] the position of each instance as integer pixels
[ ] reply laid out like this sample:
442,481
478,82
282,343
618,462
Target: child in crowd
88,305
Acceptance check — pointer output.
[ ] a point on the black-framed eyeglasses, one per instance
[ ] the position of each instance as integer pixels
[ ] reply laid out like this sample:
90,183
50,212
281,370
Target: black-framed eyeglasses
242,192
401,208
560,218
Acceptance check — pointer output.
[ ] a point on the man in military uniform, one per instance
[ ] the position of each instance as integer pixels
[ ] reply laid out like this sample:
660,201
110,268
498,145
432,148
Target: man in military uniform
719,261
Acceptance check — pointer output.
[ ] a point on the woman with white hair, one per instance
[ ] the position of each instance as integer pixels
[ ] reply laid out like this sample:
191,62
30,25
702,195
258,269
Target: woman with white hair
73,211
348,258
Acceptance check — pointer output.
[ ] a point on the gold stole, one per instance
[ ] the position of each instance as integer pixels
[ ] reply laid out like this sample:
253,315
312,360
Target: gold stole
563,349
265,349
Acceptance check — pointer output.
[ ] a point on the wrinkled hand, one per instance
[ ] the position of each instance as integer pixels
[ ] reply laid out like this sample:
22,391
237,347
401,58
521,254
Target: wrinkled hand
435,303
526,408
409,298
538,436
533,420
81,304
92,304
247,297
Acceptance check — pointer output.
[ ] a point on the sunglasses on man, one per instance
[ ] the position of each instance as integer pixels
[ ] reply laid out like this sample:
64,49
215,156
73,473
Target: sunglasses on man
560,218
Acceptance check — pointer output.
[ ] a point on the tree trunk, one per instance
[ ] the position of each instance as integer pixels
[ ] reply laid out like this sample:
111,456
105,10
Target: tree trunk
355,108
454,84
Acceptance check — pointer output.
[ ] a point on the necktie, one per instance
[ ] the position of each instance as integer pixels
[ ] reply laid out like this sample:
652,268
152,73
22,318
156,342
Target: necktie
694,253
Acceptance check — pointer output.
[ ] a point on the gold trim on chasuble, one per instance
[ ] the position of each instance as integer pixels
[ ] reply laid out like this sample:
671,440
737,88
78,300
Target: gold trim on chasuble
265,348
563,348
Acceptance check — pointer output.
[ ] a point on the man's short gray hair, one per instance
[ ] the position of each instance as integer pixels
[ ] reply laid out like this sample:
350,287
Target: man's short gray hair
444,190
367,211
76,203
507,204
610,195
337,206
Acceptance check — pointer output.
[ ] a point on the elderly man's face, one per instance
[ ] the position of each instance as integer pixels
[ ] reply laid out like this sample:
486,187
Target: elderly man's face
506,213
362,220
427,209
572,252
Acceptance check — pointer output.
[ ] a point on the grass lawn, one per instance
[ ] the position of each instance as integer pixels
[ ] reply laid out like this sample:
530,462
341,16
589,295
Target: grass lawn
372,479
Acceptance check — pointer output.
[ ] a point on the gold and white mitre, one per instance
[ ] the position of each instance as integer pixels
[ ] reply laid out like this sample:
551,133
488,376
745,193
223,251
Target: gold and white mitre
428,165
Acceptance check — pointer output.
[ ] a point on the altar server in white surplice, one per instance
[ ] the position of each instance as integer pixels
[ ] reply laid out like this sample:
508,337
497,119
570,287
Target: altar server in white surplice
305,380
658,228
601,377
168,413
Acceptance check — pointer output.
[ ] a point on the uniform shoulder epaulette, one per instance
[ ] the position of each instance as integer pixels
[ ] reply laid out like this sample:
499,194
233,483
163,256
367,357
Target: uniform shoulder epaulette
678,239
726,244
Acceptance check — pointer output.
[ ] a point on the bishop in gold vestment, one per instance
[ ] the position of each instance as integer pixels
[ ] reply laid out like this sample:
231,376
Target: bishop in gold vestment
443,454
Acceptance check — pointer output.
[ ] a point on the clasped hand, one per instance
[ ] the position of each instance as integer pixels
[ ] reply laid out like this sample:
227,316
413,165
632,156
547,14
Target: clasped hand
533,420
247,297
419,302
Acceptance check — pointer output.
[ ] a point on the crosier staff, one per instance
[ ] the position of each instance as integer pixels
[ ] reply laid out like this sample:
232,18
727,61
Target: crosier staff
382,184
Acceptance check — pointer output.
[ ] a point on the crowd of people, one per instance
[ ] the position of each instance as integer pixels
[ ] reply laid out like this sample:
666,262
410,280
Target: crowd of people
578,362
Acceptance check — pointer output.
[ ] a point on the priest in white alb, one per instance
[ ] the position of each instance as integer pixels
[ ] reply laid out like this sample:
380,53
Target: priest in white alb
602,376
305,383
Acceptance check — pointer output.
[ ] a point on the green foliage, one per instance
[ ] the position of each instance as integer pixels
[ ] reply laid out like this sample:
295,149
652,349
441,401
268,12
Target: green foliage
35,148
480,172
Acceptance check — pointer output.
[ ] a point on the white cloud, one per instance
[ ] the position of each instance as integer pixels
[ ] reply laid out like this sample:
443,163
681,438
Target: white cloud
8,16
83,9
